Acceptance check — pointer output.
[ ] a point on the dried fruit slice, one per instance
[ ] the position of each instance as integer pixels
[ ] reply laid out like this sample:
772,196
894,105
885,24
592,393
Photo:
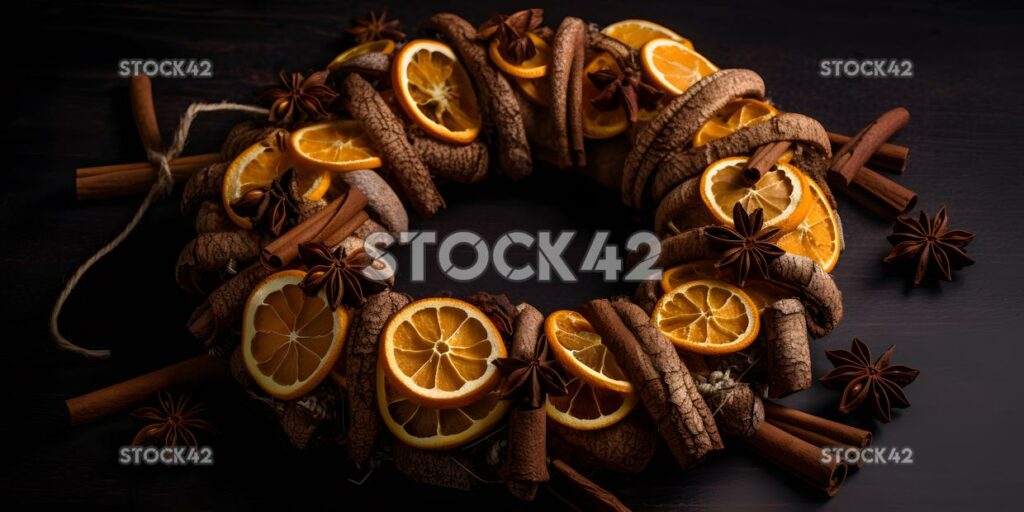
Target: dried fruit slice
783,193
636,33
438,352
435,91
761,292
385,46
597,123
818,237
537,90
579,350
534,67
290,341
333,146
258,166
707,317
586,407
734,115
673,65
436,429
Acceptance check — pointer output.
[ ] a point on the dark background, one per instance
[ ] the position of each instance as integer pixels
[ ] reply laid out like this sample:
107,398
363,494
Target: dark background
64,107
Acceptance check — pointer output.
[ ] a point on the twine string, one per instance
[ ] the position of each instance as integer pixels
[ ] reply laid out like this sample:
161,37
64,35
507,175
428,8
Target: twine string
162,187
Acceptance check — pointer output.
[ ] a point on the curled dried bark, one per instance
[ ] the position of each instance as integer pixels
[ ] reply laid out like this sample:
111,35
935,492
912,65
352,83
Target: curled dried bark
245,134
740,410
598,42
388,134
373,66
627,446
497,98
526,459
815,288
647,295
380,199
690,245
216,251
585,492
663,383
442,468
222,310
361,353
566,78
204,184
676,124
789,355
458,163
540,130
806,134
211,218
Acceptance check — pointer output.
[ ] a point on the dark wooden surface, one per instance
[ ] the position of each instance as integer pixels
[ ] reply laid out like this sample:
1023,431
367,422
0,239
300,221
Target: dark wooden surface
64,107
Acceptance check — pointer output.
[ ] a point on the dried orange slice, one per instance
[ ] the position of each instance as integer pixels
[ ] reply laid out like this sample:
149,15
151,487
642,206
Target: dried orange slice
534,67
256,168
761,292
734,115
438,352
636,33
333,146
586,407
601,124
783,192
537,90
435,91
436,429
579,350
819,236
673,65
290,341
385,46
707,317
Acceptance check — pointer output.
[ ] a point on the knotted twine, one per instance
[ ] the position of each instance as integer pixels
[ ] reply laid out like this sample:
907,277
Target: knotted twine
162,187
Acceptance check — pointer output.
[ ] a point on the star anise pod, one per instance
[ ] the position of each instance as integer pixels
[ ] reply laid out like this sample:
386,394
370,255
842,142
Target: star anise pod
745,245
860,379
279,208
300,98
372,28
173,422
931,244
498,308
626,89
530,381
512,31
340,275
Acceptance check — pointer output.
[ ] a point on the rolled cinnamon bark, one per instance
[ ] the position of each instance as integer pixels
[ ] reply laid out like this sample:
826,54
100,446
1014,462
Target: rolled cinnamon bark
204,184
814,438
223,307
799,457
448,468
815,288
789,355
120,180
330,226
380,198
886,198
891,157
740,411
586,495
526,459
566,79
845,434
466,163
848,161
140,89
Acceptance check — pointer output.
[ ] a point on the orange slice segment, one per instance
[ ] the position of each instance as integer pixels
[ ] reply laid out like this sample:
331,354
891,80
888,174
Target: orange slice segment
438,352
385,46
761,292
290,341
534,67
782,193
734,115
818,237
435,91
636,33
673,65
579,350
601,124
256,168
537,90
707,317
436,429
586,407
334,146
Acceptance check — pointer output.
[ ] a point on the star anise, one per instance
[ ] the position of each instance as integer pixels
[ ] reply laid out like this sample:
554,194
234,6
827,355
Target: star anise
626,89
498,308
512,32
929,242
529,381
373,27
860,379
340,275
300,98
745,245
174,422
279,208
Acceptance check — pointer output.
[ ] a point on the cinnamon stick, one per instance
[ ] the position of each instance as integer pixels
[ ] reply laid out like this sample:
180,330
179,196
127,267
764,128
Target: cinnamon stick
327,225
852,156
889,156
789,354
845,434
140,89
875,192
764,158
819,440
580,492
122,396
800,458
119,180
526,459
